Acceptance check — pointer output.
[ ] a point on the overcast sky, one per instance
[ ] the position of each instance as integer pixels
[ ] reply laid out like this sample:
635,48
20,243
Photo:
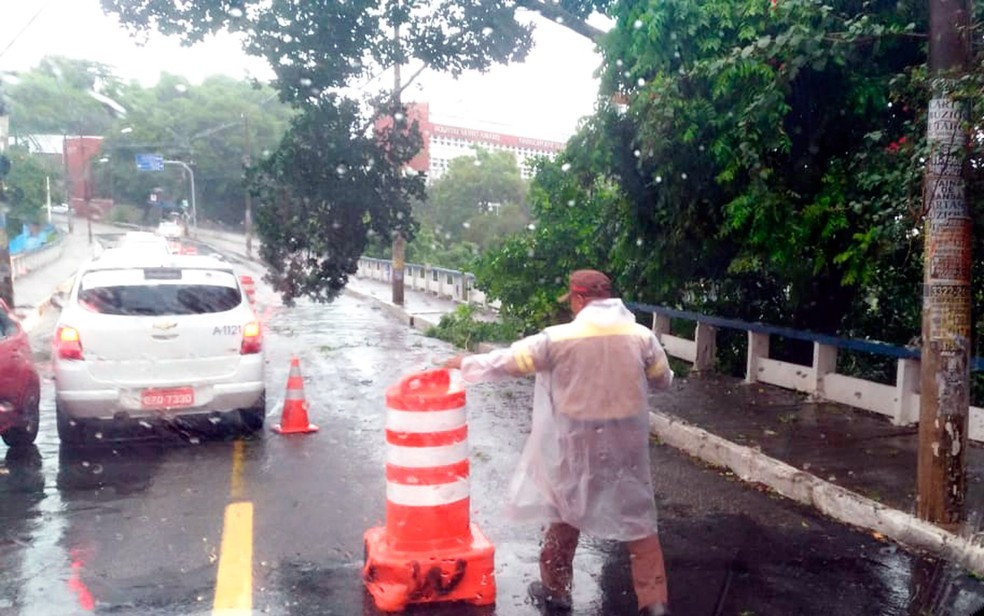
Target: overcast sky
543,97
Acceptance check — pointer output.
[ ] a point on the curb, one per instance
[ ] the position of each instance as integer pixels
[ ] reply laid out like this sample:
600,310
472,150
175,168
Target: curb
416,321
843,505
33,318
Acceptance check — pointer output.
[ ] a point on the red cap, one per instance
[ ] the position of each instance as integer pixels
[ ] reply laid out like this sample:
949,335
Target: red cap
589,284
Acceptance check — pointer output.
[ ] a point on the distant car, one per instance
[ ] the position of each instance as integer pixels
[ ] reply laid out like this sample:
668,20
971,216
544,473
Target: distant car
170,229
61,208
20,387
156,338
144,242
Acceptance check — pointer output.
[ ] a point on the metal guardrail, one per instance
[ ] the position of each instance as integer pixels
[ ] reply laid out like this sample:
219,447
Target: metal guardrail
820,379
442,282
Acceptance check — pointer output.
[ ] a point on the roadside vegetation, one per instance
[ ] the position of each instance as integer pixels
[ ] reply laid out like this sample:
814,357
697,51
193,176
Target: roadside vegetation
751,159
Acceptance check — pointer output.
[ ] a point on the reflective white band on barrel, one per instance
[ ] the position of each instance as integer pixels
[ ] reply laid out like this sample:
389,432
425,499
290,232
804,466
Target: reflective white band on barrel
424,421
427,496
426,457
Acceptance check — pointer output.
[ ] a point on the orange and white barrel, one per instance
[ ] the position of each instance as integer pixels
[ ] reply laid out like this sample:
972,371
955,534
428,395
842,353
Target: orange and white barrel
427,472
428,551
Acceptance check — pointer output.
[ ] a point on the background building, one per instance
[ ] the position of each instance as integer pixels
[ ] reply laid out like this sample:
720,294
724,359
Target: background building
445,141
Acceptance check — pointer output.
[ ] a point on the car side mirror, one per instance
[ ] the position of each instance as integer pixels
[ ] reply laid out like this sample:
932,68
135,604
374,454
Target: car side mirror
58,301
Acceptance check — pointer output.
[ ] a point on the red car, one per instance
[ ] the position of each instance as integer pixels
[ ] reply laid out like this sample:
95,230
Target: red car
20,387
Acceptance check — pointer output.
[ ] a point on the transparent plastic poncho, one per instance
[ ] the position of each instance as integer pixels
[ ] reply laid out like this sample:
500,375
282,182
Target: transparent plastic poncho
586,461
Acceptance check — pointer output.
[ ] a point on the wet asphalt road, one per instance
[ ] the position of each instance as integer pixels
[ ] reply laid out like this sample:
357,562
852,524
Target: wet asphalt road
133,524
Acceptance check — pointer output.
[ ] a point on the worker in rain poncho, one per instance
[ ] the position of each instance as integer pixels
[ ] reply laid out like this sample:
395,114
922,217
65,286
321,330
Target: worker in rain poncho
585,467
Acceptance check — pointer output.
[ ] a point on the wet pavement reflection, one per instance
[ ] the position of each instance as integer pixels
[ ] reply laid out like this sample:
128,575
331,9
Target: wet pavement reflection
133,524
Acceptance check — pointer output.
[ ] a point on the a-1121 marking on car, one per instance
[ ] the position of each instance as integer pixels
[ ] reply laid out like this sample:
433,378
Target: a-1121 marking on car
167,398
227,330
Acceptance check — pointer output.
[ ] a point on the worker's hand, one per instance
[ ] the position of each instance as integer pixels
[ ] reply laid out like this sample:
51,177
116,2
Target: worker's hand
454,363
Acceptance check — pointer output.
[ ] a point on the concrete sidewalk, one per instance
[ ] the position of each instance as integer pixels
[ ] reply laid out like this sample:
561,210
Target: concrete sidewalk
33,291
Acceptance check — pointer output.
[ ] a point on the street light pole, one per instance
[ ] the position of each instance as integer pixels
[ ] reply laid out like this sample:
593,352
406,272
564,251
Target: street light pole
399,242
194,207
248,220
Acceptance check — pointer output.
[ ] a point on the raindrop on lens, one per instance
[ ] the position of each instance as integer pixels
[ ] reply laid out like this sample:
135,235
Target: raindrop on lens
637,153
570,203
683,175
641,81
659,179
565,167
639,242
531,227
637,24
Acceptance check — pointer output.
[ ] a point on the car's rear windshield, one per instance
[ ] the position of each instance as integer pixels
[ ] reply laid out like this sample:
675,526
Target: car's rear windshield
159,292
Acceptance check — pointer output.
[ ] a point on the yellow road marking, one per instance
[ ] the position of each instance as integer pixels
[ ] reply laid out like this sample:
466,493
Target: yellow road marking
236,490
234,581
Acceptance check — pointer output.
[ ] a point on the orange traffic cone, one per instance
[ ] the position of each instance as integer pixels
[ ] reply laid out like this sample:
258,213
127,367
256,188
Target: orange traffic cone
295,418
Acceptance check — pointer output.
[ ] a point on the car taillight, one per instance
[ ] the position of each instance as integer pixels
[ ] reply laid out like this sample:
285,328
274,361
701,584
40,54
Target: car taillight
252,339
68,344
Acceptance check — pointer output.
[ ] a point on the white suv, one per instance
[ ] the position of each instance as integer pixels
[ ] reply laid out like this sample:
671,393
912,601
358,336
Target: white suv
155,336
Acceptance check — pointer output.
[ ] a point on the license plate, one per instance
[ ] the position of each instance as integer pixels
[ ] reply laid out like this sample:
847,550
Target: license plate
167,398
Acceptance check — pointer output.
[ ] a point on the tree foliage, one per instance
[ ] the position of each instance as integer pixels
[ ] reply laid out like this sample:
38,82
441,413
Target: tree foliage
319,48
479,199
25,186
56,97
769,159
201,124
331,166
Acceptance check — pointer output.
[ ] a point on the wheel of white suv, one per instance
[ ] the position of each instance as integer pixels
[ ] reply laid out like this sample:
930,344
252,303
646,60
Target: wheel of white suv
25,433
70,430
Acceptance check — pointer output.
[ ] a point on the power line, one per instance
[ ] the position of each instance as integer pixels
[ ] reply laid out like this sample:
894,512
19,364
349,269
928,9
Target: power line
26,26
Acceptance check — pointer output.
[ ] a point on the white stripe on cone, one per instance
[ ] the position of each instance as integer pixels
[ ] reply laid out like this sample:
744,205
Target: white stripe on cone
426,457
427,495
424,422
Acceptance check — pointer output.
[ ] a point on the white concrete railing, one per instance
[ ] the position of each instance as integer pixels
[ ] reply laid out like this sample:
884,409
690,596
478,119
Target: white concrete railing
26,262
898,401
449,284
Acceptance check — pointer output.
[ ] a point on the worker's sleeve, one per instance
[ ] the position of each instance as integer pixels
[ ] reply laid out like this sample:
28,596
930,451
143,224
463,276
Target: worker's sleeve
658,371
524,357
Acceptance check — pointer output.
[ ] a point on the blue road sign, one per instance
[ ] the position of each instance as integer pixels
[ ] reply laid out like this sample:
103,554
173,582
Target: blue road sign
150,162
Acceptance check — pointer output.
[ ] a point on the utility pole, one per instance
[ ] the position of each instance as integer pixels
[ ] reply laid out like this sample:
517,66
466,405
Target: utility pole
945,394
248,221
399,242
86,185
6,267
